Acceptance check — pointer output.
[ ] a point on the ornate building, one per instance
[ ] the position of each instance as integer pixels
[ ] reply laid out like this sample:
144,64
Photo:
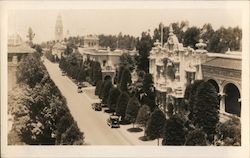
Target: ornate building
59,29
174,67
108,59
17,49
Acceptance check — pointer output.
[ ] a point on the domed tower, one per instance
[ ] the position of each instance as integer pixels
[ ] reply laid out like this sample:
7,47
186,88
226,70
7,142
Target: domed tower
59,29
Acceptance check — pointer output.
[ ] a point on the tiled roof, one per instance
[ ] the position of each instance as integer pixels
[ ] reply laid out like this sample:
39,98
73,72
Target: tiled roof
228,63
23,48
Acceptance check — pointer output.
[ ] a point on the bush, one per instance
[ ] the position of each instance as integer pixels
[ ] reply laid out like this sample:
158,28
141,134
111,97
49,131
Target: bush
174,131
229,132
155,124
122,104
106,88
196,137
143,116
132,109
113,97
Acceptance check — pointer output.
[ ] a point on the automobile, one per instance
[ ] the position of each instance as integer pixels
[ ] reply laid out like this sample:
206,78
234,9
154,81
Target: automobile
79,89
113,121
63,73
97,106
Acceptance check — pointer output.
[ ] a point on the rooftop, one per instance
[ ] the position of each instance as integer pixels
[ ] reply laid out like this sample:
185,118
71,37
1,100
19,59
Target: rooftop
227,63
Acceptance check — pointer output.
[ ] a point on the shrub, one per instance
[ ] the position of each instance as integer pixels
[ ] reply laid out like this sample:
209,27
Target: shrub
196,137
122,104
132,109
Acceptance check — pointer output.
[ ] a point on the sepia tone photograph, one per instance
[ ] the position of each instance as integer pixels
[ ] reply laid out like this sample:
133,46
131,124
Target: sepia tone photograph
135,76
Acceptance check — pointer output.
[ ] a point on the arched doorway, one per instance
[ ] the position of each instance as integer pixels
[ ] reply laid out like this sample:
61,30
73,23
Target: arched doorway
215,84
232,99
107,77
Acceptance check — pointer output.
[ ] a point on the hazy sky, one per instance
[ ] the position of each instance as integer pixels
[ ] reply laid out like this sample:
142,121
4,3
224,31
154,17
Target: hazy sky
127,21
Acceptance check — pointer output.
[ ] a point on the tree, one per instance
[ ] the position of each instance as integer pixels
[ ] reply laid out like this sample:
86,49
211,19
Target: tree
122,103
98,87
30,71
143,116
144,46
174,132
196,137
229,132
155,125
191,36
113,97
125,80
97,72
206,109
132,109
107,86
30,36
72,136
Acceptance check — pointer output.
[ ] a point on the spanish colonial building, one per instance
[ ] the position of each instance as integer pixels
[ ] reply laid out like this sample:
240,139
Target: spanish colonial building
108,59
17,49
173,67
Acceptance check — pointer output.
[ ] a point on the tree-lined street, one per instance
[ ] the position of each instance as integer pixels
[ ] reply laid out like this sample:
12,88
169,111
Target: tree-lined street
96,130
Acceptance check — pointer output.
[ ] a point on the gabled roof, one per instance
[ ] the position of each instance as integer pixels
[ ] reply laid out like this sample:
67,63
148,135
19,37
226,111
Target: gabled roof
23,48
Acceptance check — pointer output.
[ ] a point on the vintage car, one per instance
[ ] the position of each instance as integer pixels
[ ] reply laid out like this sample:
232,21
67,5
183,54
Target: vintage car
113,121
79,89
63,73
97,106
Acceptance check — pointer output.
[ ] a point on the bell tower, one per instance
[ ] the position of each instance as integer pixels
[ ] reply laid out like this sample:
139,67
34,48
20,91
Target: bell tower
59,29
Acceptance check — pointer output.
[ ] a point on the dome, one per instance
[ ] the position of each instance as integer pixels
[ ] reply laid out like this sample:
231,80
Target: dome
14,40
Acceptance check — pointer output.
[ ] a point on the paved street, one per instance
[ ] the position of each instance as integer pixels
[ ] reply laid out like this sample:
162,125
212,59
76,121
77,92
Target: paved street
91,122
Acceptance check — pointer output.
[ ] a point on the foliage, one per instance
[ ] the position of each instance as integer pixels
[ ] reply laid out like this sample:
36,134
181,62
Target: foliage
98,87
132,109
196,137
122,103
38,110
105,93
113,98
125,80
144,46
229,132
120,41
174,131
206,108
155,124
143,116
30,71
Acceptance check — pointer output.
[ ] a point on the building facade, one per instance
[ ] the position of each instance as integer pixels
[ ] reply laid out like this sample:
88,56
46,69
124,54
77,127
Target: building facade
173,67
17,49
108,59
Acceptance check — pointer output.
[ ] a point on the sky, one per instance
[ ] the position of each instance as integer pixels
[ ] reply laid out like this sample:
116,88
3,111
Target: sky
112,21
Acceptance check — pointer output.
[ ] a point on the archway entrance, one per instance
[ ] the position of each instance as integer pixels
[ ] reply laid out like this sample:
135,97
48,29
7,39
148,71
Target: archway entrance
107,77
232,99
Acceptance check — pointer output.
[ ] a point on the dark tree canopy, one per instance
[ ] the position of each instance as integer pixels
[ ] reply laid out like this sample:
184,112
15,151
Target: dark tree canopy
113,98
106,89
196,137
143,116
155,124
174,133
125,80
122,104
132,109
206,108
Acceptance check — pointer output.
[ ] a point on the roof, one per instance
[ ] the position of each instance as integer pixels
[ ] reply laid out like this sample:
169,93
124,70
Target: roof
20,49
227,63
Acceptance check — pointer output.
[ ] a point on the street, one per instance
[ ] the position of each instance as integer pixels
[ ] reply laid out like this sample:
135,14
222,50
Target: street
92,123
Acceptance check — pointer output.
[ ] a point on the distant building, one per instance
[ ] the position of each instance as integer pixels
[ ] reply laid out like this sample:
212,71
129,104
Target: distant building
108,59
174,67
59,29
17,49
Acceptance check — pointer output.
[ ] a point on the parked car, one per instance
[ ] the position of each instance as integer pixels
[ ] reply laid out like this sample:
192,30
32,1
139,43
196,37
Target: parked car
63,73
97,106
113,121
79,89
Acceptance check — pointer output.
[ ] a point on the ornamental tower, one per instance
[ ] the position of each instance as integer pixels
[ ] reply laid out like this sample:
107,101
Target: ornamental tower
59,29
